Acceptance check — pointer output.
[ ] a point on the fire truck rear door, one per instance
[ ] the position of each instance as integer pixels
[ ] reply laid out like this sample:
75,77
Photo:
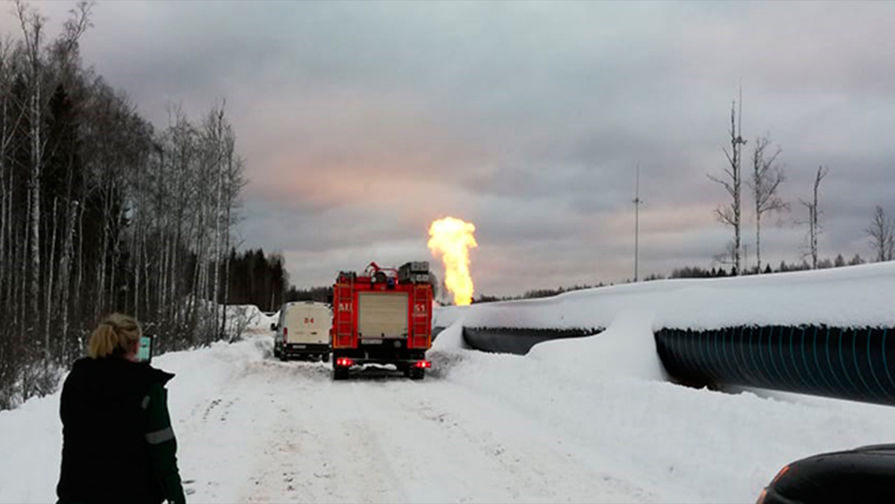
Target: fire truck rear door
382,315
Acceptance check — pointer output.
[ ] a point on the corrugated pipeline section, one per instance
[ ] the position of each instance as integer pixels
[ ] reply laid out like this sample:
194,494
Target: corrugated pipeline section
516,340
847,363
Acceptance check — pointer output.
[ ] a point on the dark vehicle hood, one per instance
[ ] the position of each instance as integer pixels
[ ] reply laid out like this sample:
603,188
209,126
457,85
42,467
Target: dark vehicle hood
865,474
882,449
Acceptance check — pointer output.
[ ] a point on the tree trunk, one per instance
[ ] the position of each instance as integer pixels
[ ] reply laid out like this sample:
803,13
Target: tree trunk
49,286
758,242
77,302
218,233
5,192
34,182
100,280
65,276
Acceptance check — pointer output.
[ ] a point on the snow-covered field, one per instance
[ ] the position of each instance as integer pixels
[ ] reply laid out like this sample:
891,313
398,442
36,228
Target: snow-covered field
581,420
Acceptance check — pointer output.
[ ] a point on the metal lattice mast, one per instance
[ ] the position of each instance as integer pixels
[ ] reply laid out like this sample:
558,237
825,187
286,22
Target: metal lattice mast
637,202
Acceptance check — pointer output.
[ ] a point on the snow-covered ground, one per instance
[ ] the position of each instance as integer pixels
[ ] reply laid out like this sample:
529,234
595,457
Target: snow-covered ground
842,297
581,420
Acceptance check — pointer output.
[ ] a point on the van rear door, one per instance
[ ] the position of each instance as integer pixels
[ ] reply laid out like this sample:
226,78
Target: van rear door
309,323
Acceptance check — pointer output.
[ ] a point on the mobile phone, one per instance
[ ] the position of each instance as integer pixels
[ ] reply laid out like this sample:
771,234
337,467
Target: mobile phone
144,352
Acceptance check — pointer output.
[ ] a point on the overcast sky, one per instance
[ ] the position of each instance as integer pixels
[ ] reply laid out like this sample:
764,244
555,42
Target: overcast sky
361,123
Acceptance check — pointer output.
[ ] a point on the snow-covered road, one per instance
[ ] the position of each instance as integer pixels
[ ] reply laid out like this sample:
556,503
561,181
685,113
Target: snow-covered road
582,420
285,432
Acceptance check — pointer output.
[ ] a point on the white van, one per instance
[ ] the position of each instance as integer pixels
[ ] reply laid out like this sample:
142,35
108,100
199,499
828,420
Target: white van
303,331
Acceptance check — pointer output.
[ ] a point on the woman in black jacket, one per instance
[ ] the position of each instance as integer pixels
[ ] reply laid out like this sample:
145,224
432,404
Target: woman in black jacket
117,441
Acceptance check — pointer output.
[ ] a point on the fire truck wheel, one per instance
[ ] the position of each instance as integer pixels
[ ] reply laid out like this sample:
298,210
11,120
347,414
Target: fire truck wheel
340,373
417,373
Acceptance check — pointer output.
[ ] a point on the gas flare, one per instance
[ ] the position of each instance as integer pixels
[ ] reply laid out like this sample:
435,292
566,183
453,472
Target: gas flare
452,238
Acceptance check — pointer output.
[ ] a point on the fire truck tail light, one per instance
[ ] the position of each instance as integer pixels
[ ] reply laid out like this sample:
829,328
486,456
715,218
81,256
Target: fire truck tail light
344,362
422,364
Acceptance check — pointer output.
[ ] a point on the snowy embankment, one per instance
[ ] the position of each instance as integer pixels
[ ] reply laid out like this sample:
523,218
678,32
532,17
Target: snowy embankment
580,420
841,297
612,387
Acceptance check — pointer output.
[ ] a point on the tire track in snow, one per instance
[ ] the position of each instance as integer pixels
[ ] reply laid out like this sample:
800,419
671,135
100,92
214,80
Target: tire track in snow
321,448
285,432
513,459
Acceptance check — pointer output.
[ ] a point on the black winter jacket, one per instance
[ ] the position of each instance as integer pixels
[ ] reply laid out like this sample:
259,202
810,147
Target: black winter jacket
118,445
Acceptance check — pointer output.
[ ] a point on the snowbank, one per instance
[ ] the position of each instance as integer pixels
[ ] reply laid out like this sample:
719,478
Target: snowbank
679,444
31,435
248,318
625,349
854,296
450,339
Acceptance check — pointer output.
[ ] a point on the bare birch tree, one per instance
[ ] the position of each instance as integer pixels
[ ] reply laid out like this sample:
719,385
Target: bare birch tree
100,213
814,226
730,214
767,175
882,235
9,123
32,24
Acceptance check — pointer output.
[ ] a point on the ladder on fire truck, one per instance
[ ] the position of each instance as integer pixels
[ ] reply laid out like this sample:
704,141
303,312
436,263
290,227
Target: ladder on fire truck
343,306
422,305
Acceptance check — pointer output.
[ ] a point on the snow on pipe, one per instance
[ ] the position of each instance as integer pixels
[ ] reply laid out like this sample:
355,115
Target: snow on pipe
846,363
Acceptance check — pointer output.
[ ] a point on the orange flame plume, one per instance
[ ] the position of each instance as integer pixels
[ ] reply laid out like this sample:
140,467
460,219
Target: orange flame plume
452,238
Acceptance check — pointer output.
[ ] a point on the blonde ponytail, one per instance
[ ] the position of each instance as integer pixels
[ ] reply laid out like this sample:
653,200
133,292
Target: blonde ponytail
115,335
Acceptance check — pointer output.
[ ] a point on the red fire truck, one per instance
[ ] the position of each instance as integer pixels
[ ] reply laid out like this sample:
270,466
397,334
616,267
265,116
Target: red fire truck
383,316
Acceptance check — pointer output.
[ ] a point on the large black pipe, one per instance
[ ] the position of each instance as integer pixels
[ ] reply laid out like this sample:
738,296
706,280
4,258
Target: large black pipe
516,340
847,363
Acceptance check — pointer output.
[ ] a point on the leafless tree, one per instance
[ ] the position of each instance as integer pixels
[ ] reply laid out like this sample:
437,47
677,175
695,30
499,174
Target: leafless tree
9,123
767,175
75,26
731,214
882,235
32,24
98,212
11,114
814,227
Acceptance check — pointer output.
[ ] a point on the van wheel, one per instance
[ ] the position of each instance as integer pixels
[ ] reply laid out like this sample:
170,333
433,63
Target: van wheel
325,358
